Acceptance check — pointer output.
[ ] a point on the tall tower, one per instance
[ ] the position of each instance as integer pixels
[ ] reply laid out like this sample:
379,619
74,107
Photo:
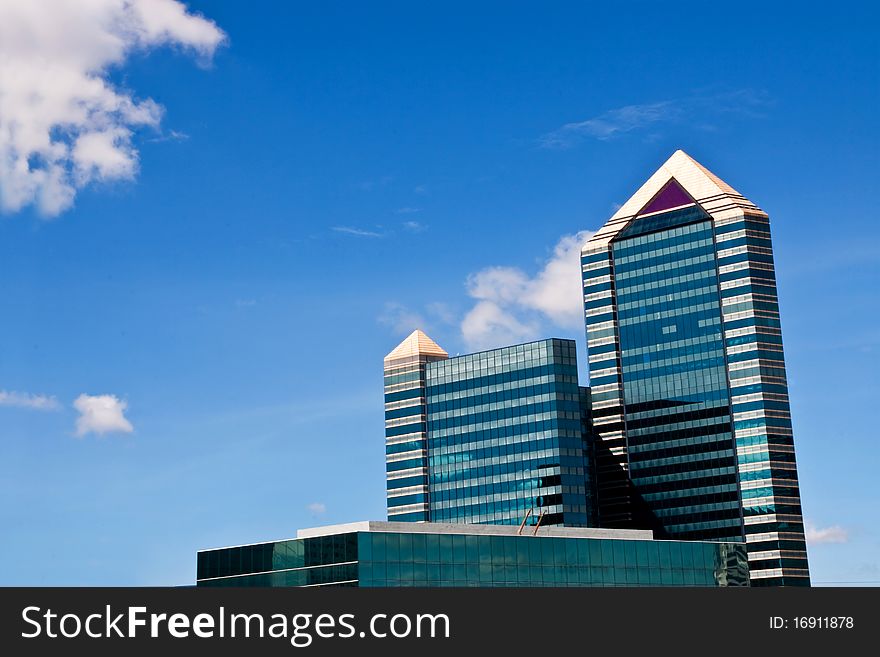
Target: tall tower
406,437
688,387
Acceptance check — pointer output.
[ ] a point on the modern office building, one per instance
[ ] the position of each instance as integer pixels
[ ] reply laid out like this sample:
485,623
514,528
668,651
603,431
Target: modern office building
689,399
500,467
406,431
492,437
397,554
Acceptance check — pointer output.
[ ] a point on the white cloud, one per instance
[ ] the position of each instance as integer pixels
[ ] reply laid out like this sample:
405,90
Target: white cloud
401,319
831,534
317,508
357,232
407,210
414,226
703,108
63,123
378,183
513,306
28,400
487,325
612,123
441,312
101,414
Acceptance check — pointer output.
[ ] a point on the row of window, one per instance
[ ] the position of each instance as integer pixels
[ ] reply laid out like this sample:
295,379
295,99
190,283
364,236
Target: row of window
661,268
625,255
294,553
526,425
542,403
472,575
550,551
644,227
556,372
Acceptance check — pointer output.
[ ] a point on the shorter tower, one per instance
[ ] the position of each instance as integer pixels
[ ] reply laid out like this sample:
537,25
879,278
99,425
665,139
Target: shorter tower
486,438
505,436
406,448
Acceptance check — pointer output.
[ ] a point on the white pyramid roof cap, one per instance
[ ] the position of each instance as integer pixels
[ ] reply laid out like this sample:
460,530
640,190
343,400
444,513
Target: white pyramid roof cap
416,344
715,196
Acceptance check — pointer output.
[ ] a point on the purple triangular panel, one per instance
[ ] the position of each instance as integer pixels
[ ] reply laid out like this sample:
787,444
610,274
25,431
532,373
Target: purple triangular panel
672,195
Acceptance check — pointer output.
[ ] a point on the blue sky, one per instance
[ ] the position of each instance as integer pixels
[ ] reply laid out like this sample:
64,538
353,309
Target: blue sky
328,177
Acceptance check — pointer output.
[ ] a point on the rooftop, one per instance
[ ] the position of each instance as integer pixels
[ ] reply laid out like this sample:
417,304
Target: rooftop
481,530
415,344
680,176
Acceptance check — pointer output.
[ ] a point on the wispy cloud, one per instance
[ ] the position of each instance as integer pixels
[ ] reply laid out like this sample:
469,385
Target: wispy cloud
701,108
612,123
101,414
64,124
317,508
171,135
830,534
378,183
403,320
357,232
29,401
512,306
414,226
407,210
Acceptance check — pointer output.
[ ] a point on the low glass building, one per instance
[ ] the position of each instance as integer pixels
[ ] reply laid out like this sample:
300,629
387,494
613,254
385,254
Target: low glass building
398,554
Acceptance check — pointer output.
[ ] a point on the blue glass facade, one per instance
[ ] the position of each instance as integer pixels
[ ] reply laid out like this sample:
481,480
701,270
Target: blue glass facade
688,390
397,558
677,407
506,436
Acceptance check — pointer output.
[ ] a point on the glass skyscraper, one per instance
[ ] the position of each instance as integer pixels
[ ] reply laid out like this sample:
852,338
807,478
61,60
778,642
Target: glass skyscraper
505,437
494,437
406,431
689,399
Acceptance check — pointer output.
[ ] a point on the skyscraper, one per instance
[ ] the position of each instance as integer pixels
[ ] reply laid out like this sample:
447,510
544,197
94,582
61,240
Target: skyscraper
486,438
505,437
406,437
688,387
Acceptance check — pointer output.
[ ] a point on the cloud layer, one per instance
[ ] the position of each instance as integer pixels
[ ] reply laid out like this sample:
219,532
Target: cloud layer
101,414
63,124
512,306
403,320
357,232
832,534
701,110
29,401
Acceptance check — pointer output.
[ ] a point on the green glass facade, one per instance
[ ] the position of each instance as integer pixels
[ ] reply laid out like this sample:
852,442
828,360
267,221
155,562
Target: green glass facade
429,559
326,560
689,397
506,436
